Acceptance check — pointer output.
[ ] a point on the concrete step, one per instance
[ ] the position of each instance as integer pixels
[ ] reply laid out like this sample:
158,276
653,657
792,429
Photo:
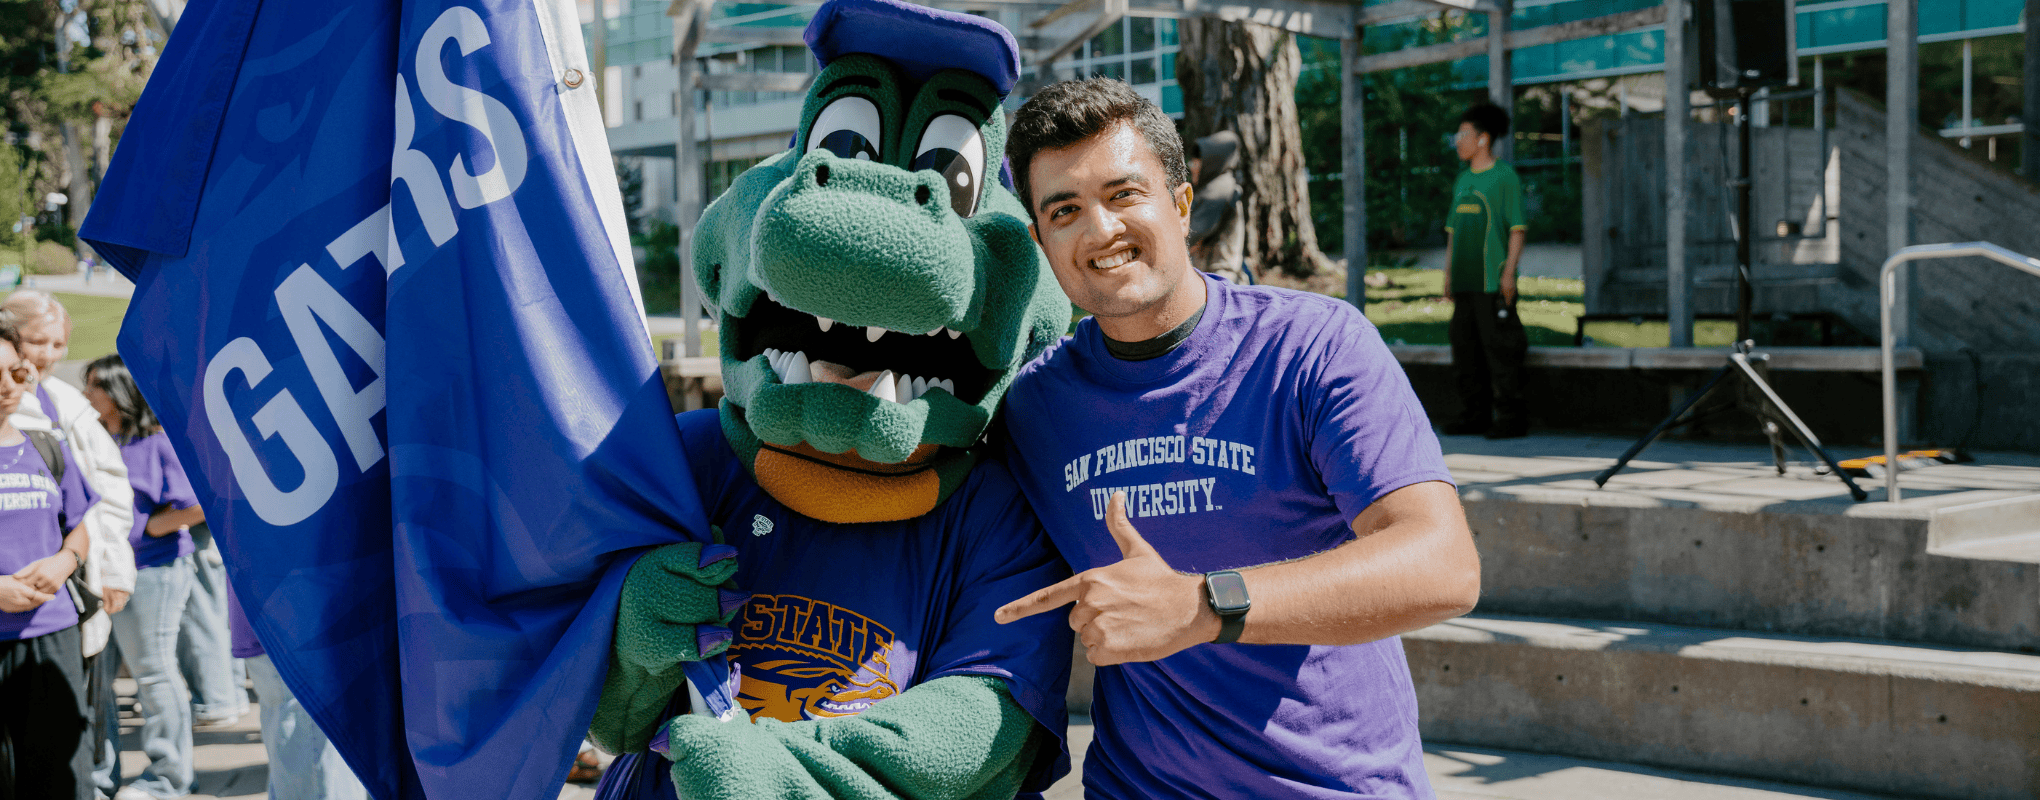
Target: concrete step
1713,536
1461,772
1912,720
2004,529
2023,547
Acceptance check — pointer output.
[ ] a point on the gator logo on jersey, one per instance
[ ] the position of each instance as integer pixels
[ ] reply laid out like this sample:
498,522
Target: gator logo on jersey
807,659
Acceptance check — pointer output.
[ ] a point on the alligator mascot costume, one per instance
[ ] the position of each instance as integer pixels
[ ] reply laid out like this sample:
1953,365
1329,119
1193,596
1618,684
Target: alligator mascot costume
878,291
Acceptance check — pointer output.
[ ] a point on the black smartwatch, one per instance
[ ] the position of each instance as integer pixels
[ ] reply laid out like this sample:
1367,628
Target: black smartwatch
1226,592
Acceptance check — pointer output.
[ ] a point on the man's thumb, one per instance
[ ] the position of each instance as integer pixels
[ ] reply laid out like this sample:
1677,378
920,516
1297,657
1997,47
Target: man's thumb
1130,542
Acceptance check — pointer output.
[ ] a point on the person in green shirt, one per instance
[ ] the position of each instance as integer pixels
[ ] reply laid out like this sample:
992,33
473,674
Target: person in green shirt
1484,236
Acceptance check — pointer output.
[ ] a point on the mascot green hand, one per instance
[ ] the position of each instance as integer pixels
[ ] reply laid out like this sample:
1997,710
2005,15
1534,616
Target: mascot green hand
879,291
676,607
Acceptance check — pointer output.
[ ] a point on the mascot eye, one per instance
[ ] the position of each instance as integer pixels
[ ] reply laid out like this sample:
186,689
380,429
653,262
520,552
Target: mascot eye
951,145
848,127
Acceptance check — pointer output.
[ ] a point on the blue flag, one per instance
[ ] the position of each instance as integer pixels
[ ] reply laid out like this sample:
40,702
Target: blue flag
386,309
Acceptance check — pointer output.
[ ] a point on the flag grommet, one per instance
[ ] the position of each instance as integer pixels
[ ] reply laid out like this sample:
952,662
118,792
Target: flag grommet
573,78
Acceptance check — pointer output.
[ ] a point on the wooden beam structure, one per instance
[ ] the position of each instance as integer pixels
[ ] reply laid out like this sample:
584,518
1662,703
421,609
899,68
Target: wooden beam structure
1678,118
1500,84
1469,6
598,56
690,21
1901,104
1320,18
2029,139
1516,40
1064,10
1353,166
775,35
1110,11
1901,126
756,82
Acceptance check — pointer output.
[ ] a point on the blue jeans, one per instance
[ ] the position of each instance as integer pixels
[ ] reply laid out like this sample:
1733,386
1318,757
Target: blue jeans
106,761
147,632
205,653
302,764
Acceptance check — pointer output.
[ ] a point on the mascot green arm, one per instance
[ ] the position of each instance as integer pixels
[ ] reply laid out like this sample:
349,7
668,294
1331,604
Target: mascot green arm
953,738
675,608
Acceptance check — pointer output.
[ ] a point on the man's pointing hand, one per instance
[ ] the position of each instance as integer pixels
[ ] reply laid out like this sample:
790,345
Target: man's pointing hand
1136,610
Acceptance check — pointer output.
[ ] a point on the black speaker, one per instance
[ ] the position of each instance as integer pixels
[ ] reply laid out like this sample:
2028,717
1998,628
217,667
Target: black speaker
1744,45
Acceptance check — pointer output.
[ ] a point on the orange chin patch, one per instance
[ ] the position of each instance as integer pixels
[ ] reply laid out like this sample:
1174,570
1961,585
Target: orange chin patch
841,487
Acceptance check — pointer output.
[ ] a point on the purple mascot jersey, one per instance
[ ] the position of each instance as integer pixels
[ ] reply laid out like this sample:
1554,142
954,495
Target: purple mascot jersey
843,617
1259,439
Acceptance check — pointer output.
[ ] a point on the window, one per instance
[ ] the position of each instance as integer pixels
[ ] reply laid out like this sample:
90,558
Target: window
1138,50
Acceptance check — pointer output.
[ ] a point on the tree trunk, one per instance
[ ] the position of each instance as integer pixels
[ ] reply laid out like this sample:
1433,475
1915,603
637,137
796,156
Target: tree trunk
78,181
1241,76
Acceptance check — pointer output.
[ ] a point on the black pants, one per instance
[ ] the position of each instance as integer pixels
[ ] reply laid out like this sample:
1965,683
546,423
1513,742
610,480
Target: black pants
45,739
1488,348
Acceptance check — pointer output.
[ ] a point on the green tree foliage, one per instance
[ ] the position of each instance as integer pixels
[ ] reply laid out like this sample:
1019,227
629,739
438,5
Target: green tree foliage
48,80
659,271
630,182
15,199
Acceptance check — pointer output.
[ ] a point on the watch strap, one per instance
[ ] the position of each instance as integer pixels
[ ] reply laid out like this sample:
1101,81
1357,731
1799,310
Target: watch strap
1230,626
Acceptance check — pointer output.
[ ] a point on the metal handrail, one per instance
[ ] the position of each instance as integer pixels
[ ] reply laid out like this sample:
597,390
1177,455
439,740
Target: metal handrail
1885,288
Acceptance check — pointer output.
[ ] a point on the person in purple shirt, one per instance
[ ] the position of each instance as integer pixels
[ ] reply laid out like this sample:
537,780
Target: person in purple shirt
45,738
164,509
303,764
1242,477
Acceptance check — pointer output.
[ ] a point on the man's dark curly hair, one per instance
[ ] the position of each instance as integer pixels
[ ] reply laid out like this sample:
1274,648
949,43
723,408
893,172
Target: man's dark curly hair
1069,112
1487,118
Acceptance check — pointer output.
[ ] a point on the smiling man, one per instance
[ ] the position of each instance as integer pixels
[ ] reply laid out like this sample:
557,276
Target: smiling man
1242,477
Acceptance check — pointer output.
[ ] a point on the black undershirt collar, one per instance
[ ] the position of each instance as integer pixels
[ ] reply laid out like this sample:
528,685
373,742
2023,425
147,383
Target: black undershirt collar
1156,347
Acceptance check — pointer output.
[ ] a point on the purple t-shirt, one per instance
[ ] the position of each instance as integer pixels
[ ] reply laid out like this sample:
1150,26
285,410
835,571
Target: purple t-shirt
1257,440
35,513
241,634
158,480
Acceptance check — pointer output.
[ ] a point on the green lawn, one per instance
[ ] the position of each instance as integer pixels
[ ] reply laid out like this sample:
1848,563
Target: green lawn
710,345
1414,309
94,322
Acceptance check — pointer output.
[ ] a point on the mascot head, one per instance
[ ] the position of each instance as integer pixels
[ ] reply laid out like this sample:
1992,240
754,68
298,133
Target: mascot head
877,284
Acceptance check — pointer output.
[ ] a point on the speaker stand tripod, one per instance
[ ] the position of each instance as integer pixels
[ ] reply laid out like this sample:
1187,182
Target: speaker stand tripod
1744,376
1745,368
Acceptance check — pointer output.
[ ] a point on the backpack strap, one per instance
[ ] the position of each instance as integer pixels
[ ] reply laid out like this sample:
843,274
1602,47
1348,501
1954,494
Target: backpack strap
52,452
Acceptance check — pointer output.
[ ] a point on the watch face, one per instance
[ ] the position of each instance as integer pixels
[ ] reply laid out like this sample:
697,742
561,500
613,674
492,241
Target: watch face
1228,592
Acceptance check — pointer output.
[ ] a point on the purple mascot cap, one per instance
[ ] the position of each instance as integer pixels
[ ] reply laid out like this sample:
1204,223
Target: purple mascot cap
920,40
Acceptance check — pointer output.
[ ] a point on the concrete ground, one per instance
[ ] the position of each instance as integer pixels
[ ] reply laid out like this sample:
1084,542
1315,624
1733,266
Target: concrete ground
231,765
1559,467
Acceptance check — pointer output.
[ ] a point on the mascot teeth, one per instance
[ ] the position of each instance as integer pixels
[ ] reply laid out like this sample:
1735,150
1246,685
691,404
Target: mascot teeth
825,323
872,333
885,388
795,368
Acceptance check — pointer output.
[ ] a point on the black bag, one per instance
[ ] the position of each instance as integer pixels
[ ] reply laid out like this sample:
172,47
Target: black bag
52,452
